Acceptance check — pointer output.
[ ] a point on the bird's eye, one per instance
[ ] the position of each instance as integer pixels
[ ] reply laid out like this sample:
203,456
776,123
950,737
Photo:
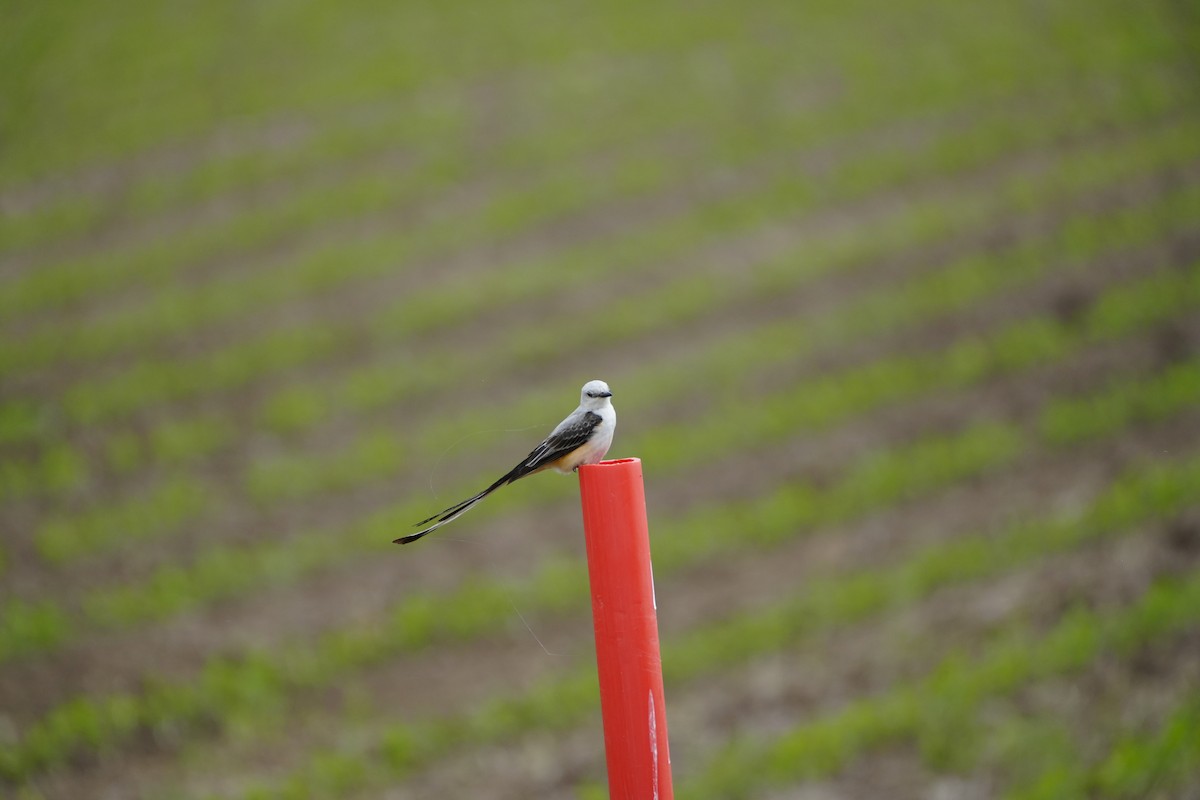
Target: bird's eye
591,394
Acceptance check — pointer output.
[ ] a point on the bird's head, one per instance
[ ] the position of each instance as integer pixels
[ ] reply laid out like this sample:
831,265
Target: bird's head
595,394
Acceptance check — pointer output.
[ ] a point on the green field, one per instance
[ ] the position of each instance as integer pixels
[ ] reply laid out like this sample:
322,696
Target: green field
899,303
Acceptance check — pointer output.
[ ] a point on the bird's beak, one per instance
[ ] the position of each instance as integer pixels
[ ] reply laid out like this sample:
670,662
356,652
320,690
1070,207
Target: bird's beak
606,394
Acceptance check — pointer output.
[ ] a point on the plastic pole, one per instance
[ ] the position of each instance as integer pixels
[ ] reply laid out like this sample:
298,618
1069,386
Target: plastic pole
626,623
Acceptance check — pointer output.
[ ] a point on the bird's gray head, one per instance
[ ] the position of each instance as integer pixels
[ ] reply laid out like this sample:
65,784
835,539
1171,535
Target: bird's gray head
595,394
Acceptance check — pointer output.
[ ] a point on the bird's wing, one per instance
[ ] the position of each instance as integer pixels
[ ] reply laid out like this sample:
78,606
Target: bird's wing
573,432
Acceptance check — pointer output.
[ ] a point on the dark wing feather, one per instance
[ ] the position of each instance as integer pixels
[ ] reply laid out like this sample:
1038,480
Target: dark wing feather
558,444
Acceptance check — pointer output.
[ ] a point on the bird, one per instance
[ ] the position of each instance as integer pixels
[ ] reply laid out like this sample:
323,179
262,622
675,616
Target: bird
582,438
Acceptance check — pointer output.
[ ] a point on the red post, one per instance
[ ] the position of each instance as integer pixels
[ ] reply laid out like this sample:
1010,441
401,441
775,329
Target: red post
626,623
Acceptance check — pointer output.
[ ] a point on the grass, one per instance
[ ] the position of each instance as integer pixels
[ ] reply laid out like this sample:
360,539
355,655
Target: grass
929,709
852,268
821,607
291,474
874,484
1136,765
224,571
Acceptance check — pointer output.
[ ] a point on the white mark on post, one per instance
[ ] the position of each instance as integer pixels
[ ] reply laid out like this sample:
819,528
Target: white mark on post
653,746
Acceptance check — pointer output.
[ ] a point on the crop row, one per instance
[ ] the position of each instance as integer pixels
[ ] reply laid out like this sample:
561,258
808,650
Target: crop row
832,397
18,480
57,470
375,453
825,604
71,280
178,311
257,690
1090,752
449,96
297,408
225,571
162,509
337,78
555,190
61,469
430,119
970,276
1135,766
419,621
932,710
876,481
921,222
1022,345
1074,419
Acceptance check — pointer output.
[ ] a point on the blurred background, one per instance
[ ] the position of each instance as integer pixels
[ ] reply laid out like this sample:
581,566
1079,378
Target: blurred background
897,300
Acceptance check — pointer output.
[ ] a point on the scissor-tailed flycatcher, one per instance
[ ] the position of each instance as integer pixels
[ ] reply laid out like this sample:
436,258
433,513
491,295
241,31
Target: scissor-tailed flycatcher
582,438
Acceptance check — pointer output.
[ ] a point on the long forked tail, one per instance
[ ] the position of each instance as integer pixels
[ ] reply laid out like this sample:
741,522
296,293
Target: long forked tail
447,516
453,512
